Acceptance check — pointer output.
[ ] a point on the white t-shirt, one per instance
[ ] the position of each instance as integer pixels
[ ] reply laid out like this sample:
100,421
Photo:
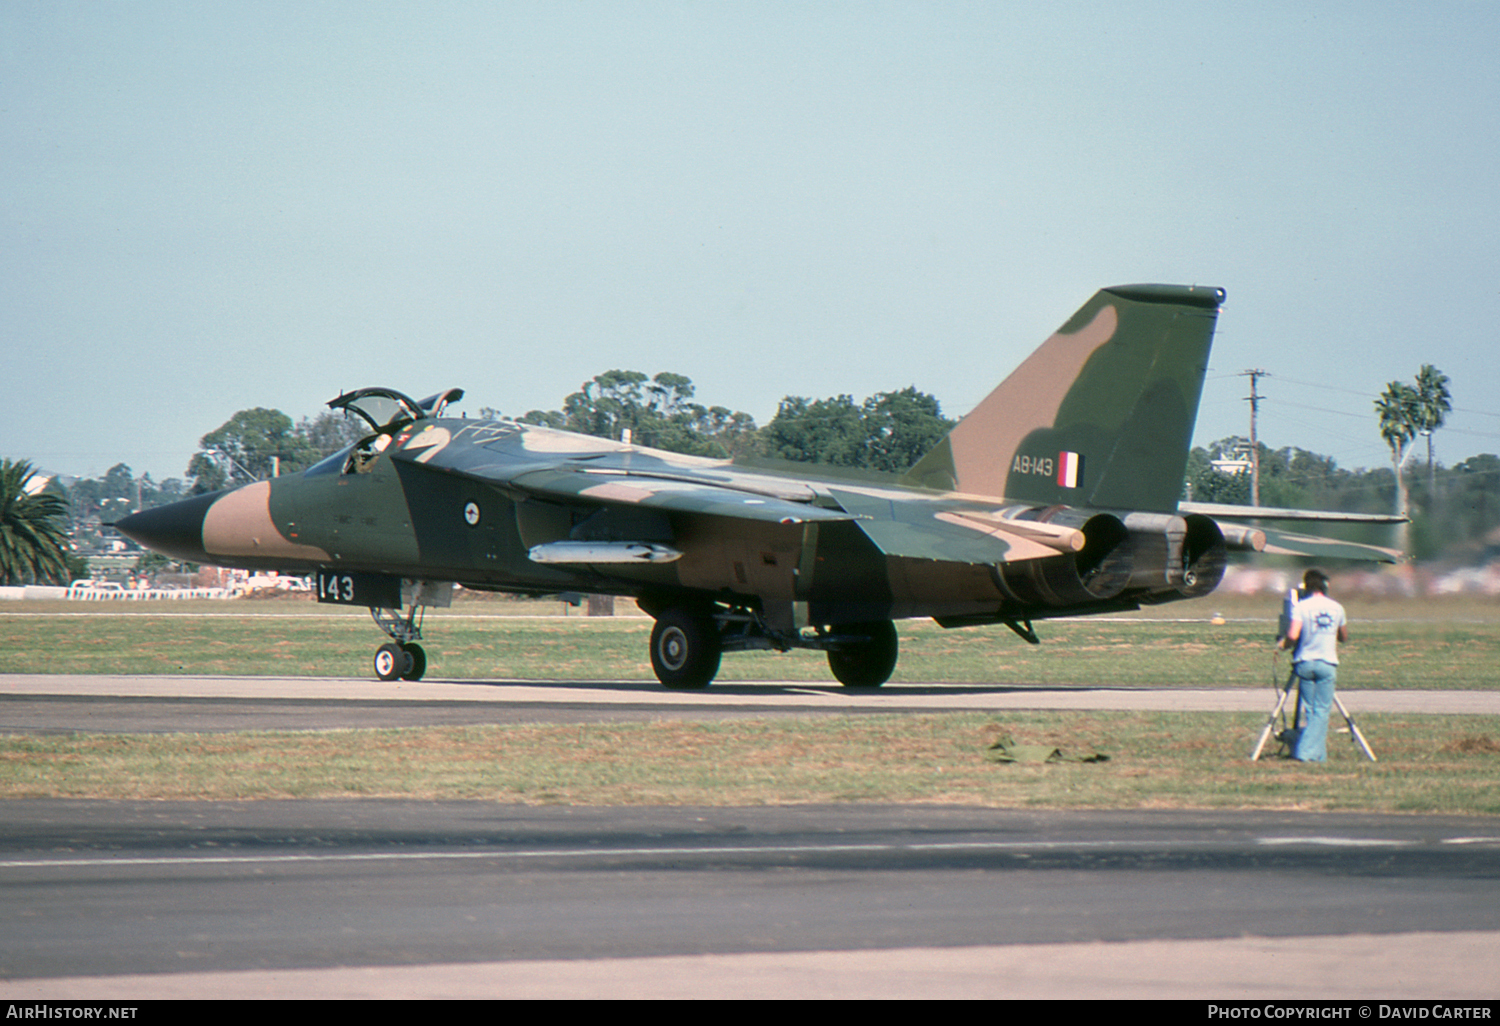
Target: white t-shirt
1321,619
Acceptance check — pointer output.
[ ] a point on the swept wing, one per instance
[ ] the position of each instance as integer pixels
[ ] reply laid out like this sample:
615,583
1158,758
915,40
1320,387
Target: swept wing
1057,495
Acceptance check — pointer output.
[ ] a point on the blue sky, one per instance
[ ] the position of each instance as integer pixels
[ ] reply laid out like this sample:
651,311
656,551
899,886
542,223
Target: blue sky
215,206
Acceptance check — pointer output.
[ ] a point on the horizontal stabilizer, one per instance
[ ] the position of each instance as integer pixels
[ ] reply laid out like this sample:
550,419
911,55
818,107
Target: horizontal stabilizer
1234,521
1223,511
1287,543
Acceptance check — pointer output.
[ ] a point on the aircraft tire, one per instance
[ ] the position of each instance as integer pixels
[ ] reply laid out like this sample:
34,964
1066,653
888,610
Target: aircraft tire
685,649
390,661
870,664
416,661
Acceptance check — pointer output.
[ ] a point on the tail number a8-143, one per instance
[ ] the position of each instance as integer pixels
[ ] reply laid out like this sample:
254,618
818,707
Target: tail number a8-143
374,591
1041,466
1066,469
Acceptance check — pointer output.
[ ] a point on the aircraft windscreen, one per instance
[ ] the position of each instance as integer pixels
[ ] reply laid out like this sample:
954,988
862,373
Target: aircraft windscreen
381,408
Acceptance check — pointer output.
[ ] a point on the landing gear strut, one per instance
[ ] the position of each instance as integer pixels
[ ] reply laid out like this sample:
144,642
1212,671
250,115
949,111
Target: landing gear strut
401,657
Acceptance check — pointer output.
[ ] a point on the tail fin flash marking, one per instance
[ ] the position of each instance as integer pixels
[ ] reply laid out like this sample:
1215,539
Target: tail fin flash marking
1101,414
1070,469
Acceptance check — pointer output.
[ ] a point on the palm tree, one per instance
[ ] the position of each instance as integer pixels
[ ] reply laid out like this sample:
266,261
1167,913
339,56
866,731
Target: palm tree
33,535
1432,391
1400,410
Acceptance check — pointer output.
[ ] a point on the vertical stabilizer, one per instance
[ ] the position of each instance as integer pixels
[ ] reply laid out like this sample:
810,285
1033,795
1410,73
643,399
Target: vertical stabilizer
1101,415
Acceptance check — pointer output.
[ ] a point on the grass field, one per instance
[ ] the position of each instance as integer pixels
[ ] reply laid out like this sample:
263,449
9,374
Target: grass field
1395,645
1447,764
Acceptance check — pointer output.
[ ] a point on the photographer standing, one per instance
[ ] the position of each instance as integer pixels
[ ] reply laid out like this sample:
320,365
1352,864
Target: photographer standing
1317,627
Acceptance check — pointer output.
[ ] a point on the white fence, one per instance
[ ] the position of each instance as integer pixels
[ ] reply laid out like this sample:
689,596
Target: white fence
84,594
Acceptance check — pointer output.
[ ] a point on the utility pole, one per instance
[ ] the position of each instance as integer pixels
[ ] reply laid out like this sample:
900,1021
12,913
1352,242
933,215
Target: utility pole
1254,398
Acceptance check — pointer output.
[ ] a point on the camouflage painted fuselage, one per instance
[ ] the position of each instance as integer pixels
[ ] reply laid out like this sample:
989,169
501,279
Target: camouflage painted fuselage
1057,495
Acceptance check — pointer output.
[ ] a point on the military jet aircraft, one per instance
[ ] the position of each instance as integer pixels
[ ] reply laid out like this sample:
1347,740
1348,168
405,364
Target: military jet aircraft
1057,496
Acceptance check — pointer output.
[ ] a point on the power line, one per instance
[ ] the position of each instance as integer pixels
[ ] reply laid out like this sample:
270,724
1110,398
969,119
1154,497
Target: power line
1366,395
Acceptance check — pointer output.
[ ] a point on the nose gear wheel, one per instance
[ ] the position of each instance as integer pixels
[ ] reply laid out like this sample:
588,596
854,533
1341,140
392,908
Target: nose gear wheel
401,658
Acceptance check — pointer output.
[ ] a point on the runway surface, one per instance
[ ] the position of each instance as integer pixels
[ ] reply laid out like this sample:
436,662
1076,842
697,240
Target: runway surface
321,898
377,898
56,703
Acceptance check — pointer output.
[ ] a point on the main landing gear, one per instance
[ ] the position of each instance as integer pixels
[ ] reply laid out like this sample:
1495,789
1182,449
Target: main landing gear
863,655
685,648
401,658
688,641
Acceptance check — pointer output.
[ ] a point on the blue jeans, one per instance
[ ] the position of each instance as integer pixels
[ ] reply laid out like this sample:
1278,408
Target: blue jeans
1315,691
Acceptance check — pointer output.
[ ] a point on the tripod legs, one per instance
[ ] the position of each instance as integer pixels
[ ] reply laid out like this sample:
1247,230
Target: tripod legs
1265,734
1359,739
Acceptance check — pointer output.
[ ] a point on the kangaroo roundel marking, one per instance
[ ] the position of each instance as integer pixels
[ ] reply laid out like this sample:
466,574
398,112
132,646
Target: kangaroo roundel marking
471,514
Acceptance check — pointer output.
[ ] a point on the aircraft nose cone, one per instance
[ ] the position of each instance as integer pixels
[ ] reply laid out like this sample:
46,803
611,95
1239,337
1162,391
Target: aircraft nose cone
175,529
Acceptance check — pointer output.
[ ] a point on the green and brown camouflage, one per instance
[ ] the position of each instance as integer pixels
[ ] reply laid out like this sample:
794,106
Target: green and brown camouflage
1101,415
1056,496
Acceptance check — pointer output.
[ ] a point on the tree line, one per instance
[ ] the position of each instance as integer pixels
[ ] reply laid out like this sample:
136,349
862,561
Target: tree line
888,431
1451,511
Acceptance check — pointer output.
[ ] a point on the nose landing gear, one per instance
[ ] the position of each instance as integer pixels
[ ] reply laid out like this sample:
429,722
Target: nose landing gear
401,658
403,662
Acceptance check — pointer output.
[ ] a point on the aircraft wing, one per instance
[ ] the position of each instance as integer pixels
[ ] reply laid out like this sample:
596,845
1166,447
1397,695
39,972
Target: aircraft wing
899,524
670,494
1282,542
545,463
552,465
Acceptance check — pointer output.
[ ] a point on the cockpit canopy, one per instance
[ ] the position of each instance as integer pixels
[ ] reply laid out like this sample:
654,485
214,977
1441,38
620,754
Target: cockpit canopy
388,410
